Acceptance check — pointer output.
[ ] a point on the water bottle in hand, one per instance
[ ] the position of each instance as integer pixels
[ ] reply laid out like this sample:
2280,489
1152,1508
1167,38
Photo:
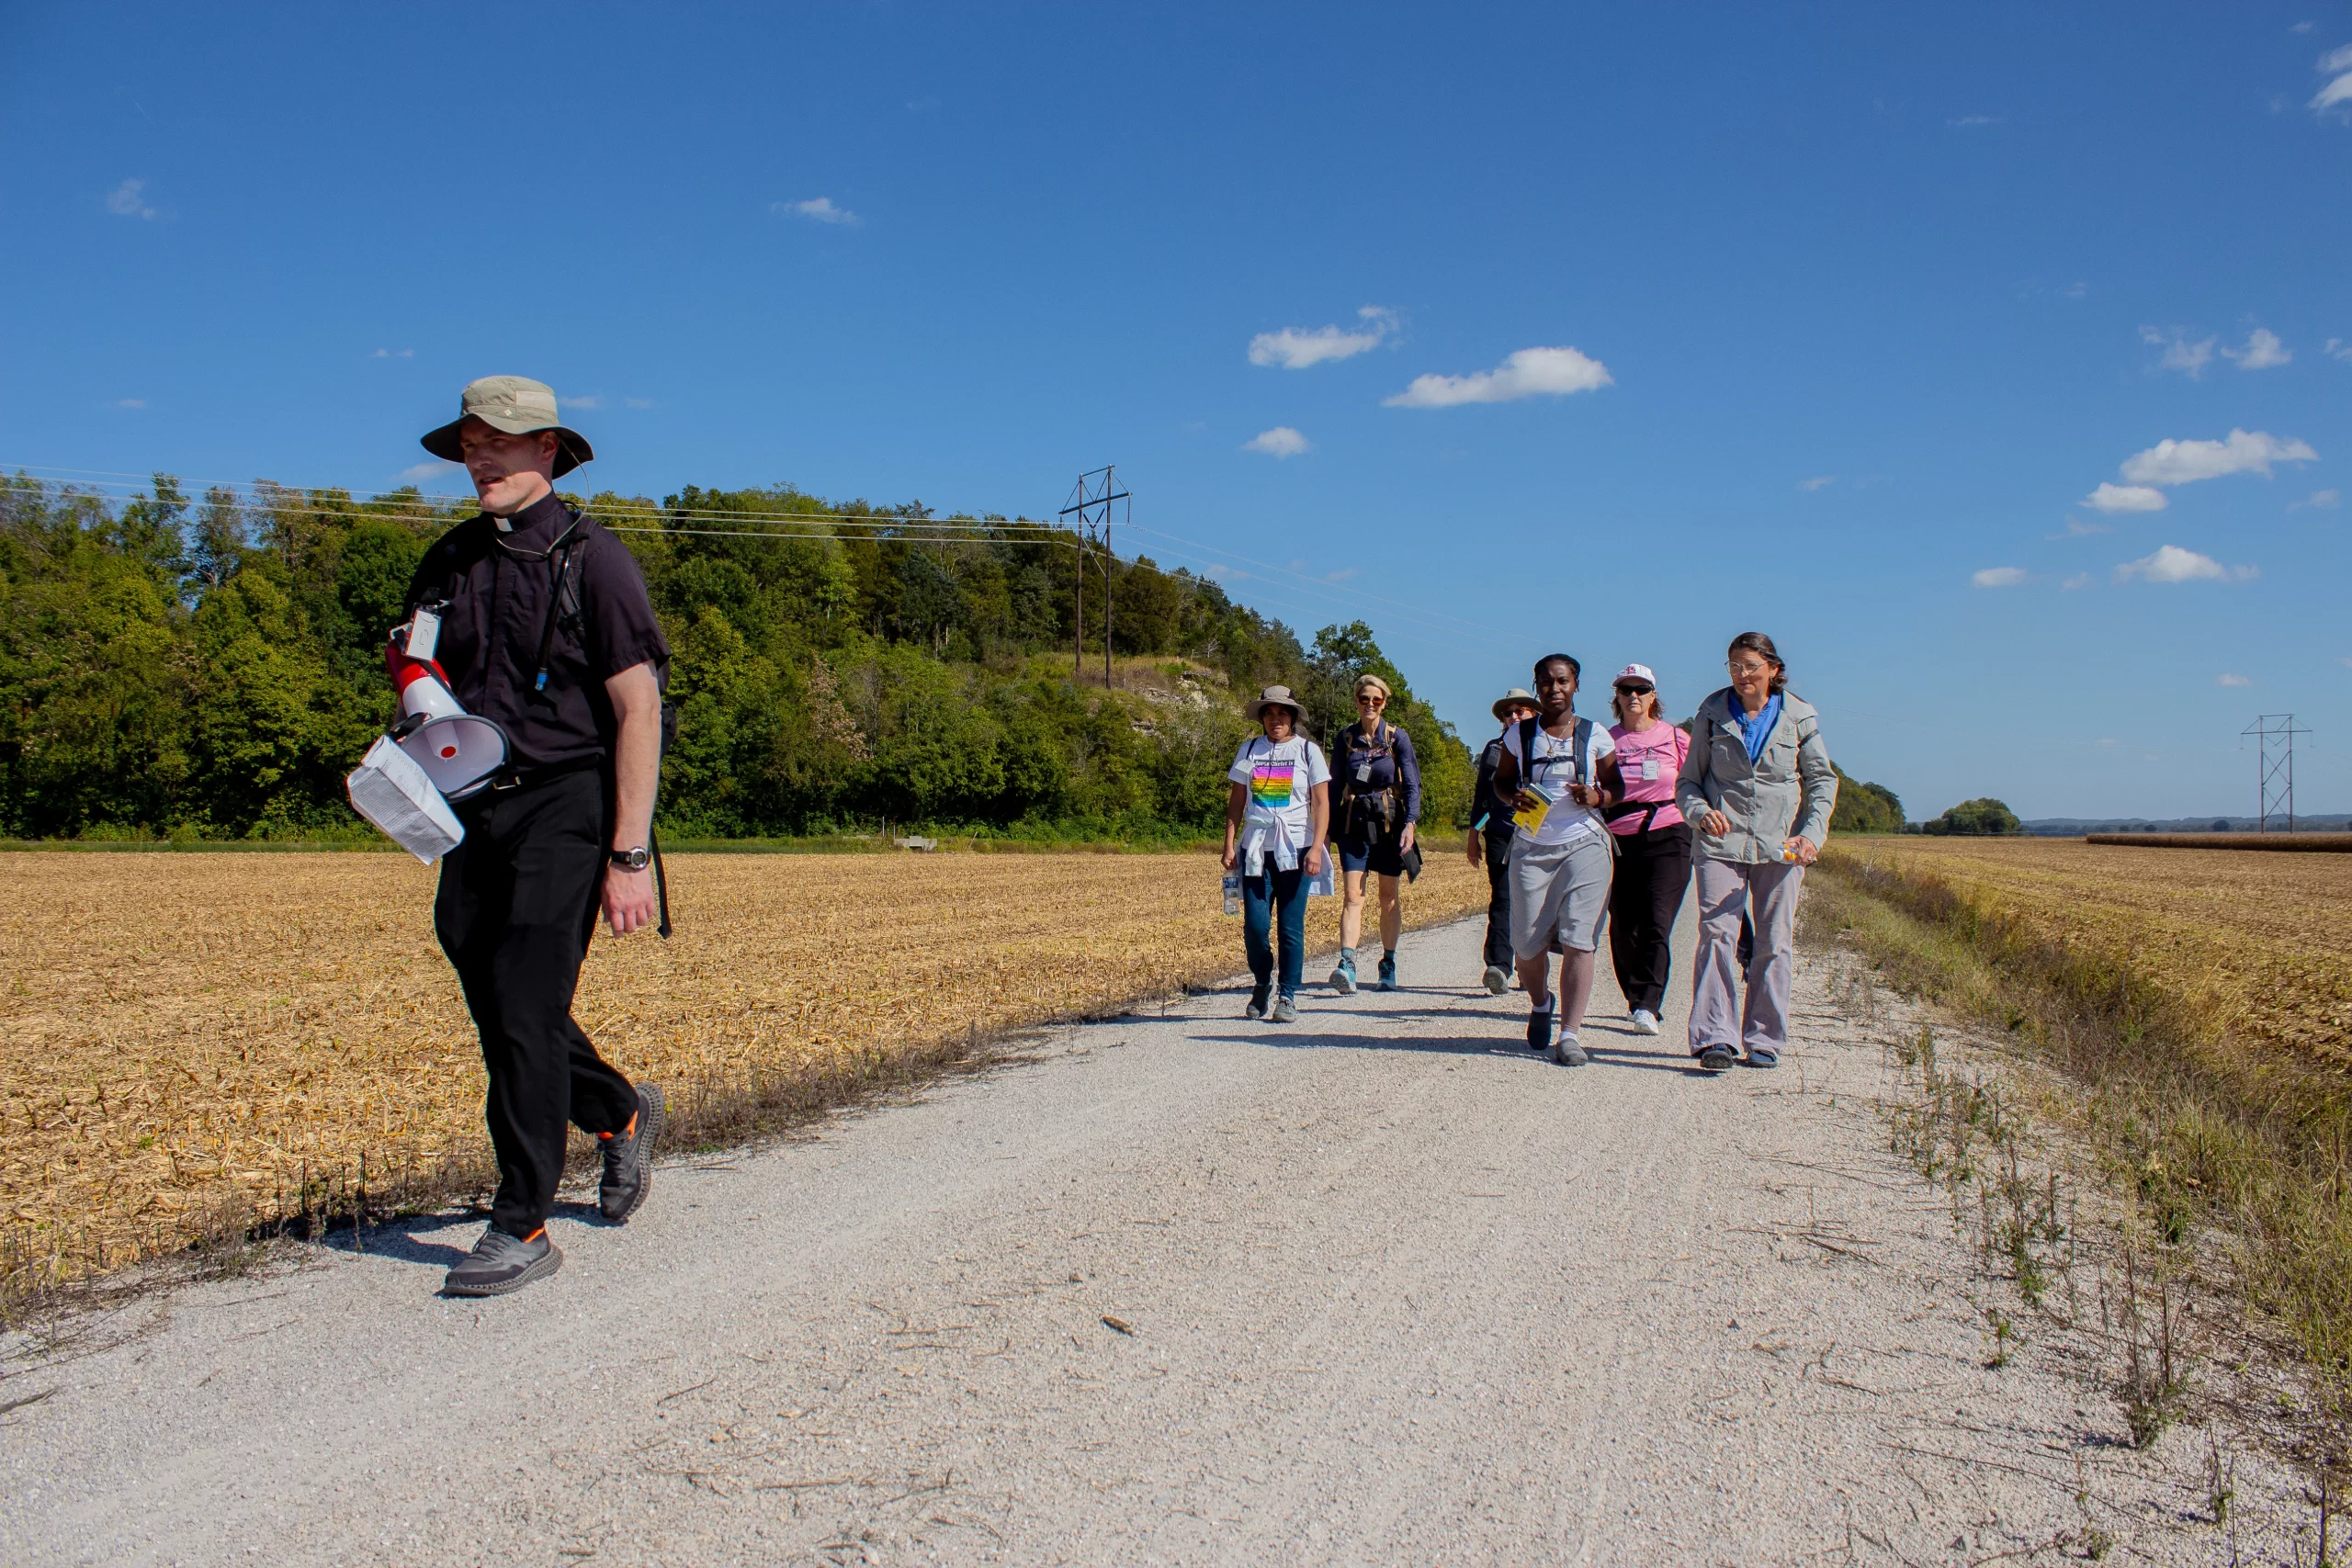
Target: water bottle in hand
1233,893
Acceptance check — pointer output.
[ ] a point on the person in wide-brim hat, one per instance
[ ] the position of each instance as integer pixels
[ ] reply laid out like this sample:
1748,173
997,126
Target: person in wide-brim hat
1516,697
1277,697
516,405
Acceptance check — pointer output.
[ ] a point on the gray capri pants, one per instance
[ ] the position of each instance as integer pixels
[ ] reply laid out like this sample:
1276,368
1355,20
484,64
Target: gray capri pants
1559,894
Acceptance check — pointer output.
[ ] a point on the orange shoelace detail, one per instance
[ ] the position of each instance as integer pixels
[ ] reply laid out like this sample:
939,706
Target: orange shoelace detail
628,1132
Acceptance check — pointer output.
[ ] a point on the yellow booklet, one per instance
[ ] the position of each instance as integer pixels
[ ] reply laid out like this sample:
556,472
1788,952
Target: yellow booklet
1530,818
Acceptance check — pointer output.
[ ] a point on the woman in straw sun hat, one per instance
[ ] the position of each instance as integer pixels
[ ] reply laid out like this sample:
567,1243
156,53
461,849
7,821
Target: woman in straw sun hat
1489,838
1275,817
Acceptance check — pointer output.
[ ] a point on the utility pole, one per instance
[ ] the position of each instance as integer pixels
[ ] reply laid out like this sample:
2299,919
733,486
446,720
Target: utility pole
1090,503
2274,767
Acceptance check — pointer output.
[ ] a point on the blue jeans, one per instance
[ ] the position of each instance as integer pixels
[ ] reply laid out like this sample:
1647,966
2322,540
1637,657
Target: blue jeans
1263,896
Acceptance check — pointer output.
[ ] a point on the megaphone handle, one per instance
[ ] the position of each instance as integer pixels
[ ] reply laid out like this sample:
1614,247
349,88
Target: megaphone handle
660,882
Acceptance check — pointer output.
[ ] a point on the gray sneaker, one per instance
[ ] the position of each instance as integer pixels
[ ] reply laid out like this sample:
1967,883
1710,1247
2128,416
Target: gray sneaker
1285,1010
628,1158
1567,1052
1497,980
499,1263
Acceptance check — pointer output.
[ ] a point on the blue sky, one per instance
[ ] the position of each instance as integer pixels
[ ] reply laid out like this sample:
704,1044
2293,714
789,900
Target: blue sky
1829,321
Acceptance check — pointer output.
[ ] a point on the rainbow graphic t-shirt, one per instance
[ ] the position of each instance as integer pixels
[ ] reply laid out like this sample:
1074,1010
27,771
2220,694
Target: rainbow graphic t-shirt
1280,778
1270,783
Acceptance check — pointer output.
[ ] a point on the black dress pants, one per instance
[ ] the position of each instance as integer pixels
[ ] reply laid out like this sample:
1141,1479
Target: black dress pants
1653,874
518,903
1499,954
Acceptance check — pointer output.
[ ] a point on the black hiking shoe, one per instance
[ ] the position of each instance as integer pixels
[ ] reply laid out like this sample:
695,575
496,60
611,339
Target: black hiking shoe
1715,1059
1257,1007
1539,1030
628,1158
499,1263
1763,1056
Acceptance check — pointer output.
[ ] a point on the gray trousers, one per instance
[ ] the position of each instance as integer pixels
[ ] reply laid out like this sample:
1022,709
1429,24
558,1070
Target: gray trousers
1725,888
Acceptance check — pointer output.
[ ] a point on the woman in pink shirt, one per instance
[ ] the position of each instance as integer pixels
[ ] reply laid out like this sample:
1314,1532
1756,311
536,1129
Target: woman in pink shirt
1653,844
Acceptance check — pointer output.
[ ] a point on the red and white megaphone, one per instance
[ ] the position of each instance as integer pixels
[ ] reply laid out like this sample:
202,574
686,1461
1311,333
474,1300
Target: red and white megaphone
460,752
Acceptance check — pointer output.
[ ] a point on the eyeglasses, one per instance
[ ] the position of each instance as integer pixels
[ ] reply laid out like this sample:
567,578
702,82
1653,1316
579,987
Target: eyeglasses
1752,667
1371,699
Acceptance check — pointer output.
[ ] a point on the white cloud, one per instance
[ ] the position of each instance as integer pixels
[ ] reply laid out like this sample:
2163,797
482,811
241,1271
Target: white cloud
426,473
2325,500
2338,349
1998,577
2263,351
2080,580
2114,498
2076,528
127,200
1294,348
2173,564
1531,372
593,402
1818,481
820,208
2336,60
2233,680
1970,122
637,403
393,354
1279,442
2336,92
130,402
2242,452
2189,358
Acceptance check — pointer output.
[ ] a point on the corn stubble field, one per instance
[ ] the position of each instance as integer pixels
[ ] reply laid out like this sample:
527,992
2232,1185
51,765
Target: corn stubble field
2259,946
193,1043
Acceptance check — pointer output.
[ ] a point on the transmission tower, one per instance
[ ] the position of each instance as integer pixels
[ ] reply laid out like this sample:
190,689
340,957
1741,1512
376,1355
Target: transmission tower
2274,735
1091,499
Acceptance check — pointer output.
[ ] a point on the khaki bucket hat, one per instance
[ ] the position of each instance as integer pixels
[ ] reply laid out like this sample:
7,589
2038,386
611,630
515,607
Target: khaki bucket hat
1518,696
1277,697
517,405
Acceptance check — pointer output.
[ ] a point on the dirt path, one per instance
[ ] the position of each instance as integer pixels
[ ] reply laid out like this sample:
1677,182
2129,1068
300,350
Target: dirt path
1385,1290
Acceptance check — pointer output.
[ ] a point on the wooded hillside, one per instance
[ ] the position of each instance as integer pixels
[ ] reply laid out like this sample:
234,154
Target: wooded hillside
211,666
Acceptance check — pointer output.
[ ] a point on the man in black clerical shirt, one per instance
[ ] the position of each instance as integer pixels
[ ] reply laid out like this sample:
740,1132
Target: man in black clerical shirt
544,627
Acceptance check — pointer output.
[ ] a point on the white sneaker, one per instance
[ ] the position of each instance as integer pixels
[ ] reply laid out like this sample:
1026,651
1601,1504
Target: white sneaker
1644,1021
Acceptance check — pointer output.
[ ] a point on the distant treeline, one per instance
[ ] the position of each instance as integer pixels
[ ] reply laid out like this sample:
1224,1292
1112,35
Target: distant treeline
212,666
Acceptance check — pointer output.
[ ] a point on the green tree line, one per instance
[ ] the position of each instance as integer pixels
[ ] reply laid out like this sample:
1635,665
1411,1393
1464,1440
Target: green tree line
209,666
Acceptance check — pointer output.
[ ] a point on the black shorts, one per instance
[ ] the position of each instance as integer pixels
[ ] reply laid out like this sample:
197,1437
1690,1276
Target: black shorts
1382,858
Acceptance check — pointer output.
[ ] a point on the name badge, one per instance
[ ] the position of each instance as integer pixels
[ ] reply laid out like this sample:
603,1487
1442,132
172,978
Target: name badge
1649,769
1364,772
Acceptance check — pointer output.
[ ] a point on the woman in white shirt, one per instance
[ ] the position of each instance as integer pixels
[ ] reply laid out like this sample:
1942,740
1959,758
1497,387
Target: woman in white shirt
1562,772
1275,817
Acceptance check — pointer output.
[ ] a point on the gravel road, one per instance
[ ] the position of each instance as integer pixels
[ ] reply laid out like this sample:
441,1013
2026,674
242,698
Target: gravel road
1375,1287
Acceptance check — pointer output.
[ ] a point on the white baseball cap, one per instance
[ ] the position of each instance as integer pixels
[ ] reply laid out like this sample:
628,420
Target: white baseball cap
1635,672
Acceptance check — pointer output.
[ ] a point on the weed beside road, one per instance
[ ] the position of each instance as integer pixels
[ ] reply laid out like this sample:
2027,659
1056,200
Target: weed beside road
2203,1111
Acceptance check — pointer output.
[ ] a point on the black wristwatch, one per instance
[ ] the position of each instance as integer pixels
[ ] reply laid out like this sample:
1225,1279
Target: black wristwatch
636,859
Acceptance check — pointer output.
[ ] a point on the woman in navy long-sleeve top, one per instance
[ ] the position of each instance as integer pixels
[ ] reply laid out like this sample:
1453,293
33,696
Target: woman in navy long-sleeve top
1376,800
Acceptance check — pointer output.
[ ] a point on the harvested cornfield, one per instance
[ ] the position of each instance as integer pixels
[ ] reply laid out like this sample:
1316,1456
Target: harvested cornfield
2256,946
199,1041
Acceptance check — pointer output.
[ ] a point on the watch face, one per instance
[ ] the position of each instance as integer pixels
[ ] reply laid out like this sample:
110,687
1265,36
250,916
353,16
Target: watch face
634,860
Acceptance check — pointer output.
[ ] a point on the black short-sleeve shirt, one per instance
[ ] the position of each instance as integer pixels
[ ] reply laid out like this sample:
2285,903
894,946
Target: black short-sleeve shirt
500,585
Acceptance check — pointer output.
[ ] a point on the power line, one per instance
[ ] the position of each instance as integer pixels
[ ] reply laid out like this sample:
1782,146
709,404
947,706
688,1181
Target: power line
408,504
